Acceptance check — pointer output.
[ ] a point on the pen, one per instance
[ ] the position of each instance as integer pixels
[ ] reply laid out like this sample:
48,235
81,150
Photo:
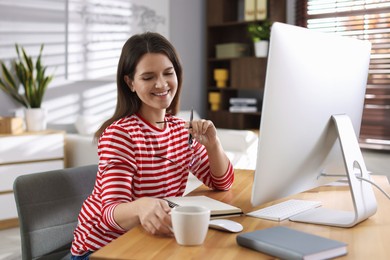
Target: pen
190,126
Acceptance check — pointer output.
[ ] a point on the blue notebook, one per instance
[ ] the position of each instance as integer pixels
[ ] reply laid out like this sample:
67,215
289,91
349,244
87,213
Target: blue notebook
287,243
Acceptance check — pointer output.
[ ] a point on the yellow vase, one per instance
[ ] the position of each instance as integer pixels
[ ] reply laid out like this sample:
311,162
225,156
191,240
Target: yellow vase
215,100
221,76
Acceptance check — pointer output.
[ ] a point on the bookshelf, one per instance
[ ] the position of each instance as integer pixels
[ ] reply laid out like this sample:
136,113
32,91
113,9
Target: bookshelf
226,24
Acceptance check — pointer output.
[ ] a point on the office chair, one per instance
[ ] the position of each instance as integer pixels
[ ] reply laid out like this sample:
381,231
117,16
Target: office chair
48,205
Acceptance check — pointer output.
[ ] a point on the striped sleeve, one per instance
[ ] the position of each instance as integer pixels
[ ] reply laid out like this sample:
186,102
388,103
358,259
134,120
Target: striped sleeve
224,182
117,165
108,218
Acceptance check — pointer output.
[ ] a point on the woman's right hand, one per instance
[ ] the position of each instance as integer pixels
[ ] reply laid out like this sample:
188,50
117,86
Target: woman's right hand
154,216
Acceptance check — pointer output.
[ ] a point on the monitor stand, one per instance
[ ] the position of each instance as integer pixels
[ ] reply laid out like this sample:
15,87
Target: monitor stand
363,197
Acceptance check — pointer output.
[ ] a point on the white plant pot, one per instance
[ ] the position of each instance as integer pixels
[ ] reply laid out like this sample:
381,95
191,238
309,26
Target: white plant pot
261,49
36,119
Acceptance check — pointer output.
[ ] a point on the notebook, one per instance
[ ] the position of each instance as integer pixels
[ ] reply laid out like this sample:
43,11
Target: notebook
218,209
287,243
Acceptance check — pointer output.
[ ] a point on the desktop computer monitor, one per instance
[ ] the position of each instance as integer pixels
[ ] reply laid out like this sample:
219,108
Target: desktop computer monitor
312,77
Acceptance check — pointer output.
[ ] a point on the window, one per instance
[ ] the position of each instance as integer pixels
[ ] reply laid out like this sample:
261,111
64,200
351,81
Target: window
367,20
82,38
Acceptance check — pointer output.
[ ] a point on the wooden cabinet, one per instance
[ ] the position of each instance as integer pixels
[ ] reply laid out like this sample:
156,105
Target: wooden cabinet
24,154
247,73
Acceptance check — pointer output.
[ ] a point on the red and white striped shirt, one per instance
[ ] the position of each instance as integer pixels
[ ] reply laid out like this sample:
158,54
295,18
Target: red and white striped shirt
138,160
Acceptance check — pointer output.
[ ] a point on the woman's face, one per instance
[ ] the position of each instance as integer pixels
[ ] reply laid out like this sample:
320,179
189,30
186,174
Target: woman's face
155,82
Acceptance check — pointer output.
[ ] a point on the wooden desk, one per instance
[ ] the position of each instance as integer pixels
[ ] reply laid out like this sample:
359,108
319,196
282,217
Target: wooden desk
367,240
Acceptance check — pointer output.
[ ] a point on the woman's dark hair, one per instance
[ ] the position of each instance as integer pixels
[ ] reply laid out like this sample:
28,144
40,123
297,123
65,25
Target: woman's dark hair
128,103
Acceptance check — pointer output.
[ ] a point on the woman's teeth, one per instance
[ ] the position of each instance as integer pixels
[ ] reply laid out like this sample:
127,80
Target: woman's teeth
161,94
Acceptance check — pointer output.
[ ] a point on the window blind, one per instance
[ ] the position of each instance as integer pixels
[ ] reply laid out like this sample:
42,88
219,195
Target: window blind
366,20
97,31
82,38
31,23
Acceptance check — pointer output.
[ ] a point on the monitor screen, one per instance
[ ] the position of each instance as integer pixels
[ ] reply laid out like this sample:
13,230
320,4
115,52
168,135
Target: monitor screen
310,77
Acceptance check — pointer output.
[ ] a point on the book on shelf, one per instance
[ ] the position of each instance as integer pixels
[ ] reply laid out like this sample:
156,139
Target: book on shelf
242,101
250,9
261,10
218,209
243,109
241,10
288,243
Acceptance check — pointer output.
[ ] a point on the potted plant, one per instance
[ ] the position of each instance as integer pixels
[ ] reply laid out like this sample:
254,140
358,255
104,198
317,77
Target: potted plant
34,80
260,33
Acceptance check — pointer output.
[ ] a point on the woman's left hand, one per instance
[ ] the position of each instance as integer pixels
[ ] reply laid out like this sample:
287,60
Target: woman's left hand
203,131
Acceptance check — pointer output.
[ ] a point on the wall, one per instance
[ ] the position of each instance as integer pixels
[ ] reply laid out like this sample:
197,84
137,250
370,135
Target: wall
188,22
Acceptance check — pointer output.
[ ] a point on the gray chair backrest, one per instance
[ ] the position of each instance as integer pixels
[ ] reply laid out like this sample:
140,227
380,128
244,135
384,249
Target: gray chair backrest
48,205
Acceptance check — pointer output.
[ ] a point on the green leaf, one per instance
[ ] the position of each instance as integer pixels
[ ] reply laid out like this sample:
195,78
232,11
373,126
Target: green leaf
38,63
17,51
22,74
28,60
8,77
5,87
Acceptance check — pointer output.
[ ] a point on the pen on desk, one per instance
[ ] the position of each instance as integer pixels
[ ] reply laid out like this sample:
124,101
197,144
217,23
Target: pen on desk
171,204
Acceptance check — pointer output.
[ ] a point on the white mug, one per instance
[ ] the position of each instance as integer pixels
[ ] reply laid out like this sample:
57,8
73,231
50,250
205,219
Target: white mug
190,224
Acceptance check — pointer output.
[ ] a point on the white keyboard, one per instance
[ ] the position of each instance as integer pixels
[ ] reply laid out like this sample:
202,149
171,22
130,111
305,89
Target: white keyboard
284,210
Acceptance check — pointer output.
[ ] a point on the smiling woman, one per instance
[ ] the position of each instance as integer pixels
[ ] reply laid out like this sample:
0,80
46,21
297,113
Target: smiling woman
142,161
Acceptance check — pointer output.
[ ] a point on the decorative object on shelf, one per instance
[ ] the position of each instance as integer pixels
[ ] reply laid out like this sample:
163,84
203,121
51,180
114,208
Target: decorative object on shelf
231,50
11,125
221,77
36,119
34,81
215,100
260,34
